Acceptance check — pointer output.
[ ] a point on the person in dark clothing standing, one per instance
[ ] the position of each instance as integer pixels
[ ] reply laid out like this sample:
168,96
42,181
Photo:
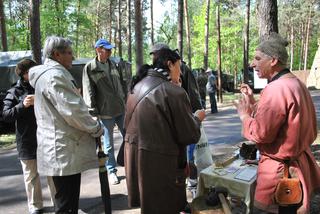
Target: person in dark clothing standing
202,80
18,107
154,162
188,81
211,89
189,84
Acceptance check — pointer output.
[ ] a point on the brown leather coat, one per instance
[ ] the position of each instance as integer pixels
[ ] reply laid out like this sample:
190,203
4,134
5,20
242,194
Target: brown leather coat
158,128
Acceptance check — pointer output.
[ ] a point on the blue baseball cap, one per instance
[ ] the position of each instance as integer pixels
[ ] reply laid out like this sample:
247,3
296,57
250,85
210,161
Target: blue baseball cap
103,43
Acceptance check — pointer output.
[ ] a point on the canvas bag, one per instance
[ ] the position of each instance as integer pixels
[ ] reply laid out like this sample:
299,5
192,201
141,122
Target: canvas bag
202,153
288,190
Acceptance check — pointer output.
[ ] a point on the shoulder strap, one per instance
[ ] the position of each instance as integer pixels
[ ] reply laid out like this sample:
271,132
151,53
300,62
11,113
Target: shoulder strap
146,93
143,95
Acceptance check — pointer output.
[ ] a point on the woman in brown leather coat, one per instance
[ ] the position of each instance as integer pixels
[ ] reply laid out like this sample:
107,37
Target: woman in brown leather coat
159,125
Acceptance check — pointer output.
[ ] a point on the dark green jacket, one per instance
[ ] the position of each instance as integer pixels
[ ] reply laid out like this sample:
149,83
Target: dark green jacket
189,84
102,90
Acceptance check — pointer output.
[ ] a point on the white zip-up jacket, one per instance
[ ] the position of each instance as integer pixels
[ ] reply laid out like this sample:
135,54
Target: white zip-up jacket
65,127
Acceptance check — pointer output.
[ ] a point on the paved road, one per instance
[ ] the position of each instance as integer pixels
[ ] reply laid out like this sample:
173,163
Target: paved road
223,130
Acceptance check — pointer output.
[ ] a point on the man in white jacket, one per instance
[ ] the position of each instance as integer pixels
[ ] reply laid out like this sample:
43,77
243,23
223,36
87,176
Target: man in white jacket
66,132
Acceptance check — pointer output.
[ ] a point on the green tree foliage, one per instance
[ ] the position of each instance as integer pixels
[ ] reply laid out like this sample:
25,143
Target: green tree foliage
84,21
167,31
18,30
294,13
232,21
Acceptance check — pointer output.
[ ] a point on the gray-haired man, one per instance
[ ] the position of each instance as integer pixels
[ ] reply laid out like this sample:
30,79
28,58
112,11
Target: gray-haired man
66,131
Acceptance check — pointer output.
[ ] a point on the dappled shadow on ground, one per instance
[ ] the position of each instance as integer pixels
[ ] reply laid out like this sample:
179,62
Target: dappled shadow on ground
9,163
118,202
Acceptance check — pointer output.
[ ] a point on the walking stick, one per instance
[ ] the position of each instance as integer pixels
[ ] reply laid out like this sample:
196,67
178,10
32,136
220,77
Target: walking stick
103,176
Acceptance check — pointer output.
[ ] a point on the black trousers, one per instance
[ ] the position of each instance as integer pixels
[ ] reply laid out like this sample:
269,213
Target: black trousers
213,102
67,193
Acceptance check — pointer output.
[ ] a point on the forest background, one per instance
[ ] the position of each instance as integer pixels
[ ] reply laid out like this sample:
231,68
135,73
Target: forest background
85,21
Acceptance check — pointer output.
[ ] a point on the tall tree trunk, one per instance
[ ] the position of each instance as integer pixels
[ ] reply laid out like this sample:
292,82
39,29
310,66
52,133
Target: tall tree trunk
77,28
115,40
28,40
110,20
129,31
56,4
13,20
268,18
98,21
219,53
35,30
119,30
151,14
64,32
307,39
4,41
180,27
235,69
206,37
138,33
186,15
246,44
291,46
301,46
10,9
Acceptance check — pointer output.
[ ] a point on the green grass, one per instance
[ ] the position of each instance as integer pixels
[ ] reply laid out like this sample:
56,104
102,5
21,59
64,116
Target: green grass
7,140
229,97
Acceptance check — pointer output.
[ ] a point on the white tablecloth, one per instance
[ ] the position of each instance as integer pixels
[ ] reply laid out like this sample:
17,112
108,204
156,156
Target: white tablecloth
225,177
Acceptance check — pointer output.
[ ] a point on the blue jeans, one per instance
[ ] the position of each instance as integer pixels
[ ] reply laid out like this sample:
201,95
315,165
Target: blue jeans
190,152
108,146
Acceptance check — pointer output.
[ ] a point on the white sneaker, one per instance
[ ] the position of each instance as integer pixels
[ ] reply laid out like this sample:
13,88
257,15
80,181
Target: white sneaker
113,179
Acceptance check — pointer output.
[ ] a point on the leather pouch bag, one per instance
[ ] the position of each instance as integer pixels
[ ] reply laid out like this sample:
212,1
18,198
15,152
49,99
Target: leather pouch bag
288,190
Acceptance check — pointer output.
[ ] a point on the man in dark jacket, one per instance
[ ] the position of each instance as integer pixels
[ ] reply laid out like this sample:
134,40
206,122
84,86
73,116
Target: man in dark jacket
202,80
211,89
18,106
